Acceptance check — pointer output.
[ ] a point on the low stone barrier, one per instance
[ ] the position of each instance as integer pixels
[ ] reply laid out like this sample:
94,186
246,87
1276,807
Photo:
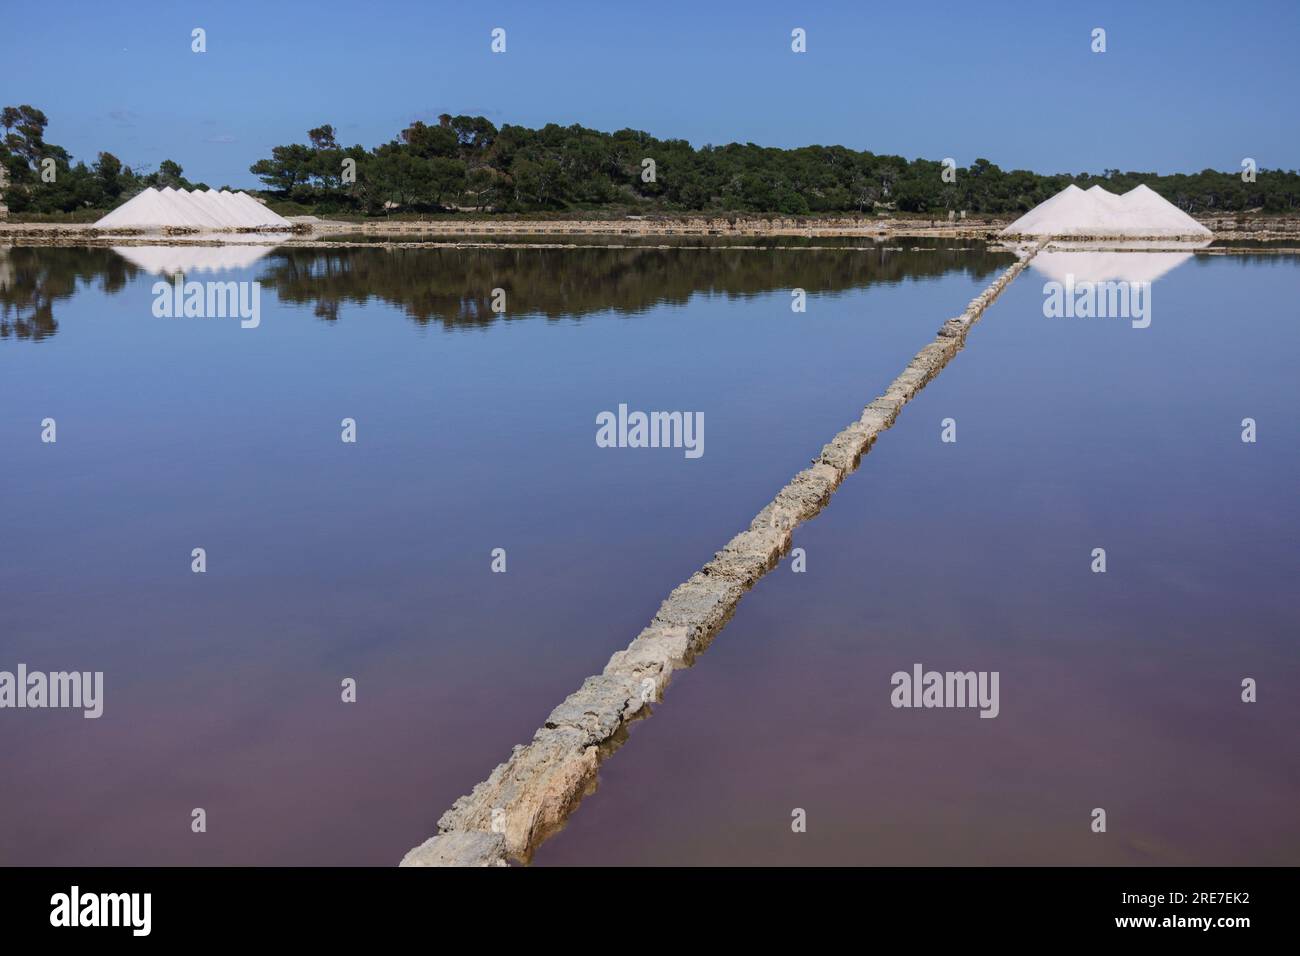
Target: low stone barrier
529,796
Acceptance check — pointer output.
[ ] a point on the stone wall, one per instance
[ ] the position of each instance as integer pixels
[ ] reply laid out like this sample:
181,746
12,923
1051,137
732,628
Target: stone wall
525,799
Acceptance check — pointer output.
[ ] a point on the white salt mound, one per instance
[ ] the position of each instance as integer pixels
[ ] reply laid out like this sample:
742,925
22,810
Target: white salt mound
200,209
214,206
1097,213
253,210
1148,206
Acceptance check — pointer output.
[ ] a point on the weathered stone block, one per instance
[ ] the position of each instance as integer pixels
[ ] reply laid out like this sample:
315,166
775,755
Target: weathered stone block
599,707
461,848
700,604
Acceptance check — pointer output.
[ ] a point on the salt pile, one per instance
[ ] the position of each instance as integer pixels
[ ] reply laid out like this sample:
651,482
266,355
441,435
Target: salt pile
1096,213
1148,206
200,209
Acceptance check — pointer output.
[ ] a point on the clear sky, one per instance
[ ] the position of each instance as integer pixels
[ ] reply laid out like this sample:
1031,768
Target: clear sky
1181,87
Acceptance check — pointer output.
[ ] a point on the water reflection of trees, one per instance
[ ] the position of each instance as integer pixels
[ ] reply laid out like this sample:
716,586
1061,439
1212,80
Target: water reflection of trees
454,286
32,280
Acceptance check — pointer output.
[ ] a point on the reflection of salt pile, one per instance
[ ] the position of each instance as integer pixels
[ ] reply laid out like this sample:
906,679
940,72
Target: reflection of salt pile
169,260
1078,267
1096,213
200,209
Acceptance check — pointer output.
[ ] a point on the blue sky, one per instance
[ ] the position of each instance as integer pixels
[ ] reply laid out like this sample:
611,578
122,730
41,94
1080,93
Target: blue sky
1182,86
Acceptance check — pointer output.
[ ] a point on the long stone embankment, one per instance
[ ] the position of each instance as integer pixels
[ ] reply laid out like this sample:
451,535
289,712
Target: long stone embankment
462,229
528,797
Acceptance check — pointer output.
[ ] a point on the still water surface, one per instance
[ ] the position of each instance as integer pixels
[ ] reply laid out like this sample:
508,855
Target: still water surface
1118,691
371,561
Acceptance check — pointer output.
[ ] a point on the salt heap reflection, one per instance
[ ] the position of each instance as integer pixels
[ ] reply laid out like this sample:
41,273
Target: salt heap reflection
169,260
1060,263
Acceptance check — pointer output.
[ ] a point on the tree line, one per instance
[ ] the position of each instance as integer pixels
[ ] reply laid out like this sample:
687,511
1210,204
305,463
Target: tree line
467,163
43,179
